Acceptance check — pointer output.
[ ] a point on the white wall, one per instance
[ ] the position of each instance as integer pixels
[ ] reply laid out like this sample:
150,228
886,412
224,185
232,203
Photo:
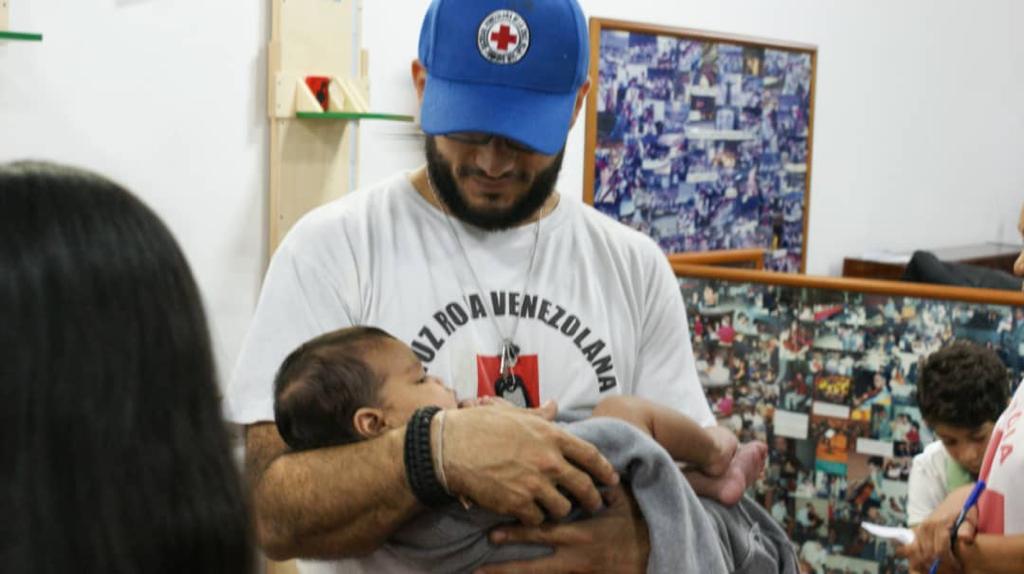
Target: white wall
167,98
918,105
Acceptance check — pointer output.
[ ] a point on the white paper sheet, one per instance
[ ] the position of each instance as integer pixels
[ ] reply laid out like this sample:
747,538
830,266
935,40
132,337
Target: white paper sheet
900,535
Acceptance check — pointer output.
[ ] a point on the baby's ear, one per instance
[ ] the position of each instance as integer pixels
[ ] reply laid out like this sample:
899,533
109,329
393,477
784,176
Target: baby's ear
369,422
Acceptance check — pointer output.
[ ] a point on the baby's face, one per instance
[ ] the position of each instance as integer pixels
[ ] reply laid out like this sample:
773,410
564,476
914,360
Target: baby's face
407,386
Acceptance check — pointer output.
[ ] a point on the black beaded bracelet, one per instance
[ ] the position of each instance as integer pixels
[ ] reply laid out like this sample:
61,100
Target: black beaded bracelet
419,462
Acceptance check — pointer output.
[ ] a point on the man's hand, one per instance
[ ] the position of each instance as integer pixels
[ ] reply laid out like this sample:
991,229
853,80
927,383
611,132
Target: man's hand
931,540
512,461
614,541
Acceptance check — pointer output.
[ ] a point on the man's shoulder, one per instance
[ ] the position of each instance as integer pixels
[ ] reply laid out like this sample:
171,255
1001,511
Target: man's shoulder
616,233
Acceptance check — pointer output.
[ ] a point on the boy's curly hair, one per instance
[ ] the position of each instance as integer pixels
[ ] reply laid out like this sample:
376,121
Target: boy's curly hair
962,385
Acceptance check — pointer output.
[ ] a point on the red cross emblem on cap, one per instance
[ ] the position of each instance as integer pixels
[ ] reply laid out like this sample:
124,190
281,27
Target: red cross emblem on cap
503,37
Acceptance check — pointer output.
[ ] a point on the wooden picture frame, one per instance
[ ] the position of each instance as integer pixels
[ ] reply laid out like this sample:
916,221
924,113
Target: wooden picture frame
751,258
702,140
824,370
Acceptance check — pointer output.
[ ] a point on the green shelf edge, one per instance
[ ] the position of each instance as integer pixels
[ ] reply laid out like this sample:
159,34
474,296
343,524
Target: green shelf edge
352,116
24,36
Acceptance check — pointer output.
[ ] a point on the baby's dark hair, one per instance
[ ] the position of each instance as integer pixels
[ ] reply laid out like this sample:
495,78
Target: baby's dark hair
962,385
321,385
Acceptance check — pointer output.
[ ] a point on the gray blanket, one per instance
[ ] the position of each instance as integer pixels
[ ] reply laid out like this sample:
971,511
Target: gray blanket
687,533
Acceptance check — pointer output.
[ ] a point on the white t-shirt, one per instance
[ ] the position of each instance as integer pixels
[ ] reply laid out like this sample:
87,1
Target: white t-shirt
1001,506
602,314
929,482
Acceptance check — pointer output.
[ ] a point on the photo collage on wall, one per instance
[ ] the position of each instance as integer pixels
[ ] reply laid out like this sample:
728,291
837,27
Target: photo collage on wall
828,380
703,145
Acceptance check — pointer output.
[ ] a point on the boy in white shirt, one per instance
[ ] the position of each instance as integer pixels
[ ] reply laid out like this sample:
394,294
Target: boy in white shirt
962,389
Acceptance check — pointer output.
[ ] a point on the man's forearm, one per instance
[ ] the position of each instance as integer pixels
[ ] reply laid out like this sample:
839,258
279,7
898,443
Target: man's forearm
330,503
346,501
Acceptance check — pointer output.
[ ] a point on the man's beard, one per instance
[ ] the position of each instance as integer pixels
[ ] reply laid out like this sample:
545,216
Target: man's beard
443,177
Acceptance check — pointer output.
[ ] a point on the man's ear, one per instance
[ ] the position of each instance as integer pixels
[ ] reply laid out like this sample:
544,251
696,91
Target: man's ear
419,79
369,422
581,98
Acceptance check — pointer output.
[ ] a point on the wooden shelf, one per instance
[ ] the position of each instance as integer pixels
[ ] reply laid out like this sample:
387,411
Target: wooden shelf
352,116
20,36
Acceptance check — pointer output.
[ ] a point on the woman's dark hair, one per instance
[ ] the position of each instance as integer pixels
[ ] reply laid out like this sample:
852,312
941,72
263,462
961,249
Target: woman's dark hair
116,458
962,385
322,384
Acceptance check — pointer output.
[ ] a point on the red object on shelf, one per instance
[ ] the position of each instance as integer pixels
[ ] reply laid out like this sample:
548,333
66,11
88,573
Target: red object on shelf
318,85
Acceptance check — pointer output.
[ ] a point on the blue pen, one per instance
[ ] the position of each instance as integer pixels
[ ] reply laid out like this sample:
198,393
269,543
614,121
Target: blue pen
972,499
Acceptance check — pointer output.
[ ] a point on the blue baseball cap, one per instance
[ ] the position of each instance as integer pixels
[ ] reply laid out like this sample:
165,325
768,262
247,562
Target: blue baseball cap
506,67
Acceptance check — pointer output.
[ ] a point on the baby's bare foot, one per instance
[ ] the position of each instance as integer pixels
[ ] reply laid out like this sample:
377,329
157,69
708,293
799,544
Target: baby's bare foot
743,470
725,449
